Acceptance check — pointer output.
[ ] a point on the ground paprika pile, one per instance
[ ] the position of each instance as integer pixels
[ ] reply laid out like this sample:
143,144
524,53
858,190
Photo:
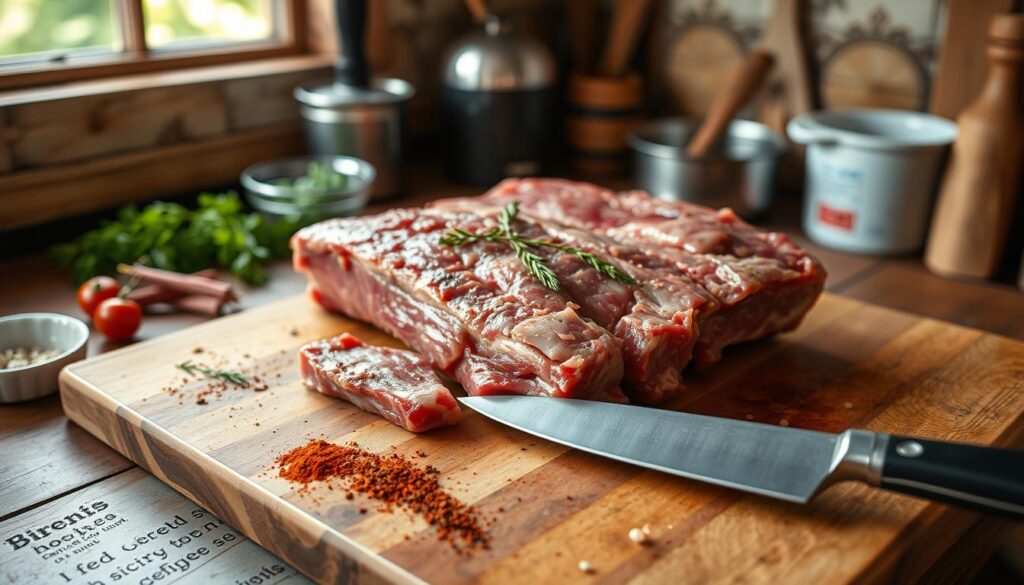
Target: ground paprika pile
391,479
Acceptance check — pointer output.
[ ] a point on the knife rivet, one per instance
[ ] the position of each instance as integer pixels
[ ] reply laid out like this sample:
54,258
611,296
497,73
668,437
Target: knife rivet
909,449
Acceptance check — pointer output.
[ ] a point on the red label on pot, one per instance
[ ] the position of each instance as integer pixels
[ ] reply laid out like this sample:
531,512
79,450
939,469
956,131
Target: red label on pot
836,218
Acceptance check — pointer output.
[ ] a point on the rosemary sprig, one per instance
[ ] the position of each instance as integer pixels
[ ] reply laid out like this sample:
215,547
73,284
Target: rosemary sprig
229,376
535,264
521,246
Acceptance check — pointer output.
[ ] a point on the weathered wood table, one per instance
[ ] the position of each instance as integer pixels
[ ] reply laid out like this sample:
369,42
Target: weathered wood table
45,458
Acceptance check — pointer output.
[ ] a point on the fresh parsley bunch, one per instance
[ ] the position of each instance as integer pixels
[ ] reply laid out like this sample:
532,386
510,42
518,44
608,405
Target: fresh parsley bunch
172,237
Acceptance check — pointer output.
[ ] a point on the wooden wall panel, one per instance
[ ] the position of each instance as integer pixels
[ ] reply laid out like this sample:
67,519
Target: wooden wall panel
33,197
7,135
95,120
260,101
73,130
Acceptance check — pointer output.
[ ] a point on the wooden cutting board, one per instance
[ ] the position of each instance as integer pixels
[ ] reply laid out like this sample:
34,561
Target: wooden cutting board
849,364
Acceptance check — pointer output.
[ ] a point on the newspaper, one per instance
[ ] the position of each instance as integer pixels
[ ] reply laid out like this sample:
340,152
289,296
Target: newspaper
132,529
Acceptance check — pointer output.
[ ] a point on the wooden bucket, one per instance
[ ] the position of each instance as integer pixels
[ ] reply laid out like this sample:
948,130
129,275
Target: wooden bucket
601,112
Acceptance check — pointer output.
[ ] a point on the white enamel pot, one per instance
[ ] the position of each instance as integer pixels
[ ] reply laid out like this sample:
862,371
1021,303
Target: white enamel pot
871,176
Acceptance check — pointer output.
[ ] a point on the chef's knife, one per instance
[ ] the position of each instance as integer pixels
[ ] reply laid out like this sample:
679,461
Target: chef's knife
781,462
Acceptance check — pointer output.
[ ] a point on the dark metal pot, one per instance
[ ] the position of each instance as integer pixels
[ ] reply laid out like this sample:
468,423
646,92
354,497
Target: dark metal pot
498,106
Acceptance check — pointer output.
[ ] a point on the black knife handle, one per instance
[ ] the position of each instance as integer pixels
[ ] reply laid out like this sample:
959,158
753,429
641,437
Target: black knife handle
982,478
351,68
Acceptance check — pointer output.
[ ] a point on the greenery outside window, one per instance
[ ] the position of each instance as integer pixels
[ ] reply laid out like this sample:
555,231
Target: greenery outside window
53,41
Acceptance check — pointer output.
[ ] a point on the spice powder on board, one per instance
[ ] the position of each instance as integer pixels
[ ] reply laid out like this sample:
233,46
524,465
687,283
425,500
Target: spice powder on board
391,479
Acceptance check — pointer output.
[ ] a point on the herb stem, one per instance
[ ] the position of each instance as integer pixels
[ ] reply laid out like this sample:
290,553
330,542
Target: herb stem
521,246
229,376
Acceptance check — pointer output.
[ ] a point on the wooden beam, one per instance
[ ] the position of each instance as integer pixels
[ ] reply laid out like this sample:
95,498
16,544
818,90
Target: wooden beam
321,35
33,197
314,64
292,19
127,64
133,26
103,118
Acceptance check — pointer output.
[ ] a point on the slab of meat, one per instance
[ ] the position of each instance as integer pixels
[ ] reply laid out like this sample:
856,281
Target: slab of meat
398,385
656,318
704,279
762,281
474,311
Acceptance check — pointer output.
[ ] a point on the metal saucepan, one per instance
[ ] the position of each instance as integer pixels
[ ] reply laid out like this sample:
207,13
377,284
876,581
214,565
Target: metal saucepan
355,115
738,171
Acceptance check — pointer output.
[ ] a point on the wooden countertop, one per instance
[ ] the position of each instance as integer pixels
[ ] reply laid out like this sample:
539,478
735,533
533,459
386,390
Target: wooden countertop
44,457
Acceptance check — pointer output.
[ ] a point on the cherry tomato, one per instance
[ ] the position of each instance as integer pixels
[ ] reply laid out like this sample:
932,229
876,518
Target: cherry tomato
118,319
96,290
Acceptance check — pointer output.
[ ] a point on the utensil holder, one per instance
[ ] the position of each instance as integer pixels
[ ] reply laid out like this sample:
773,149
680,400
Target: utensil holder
602,111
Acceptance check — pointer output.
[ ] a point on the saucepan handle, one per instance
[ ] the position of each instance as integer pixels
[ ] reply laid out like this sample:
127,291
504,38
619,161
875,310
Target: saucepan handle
806,130
983,478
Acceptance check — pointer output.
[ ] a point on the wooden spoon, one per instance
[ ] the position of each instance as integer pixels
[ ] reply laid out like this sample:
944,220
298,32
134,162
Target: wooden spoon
627,22
742,84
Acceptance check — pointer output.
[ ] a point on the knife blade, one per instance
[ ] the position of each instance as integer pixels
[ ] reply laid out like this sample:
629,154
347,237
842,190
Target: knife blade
780,462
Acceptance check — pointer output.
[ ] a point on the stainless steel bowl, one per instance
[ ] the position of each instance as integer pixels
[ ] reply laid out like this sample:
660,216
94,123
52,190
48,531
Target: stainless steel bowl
739,173
264,189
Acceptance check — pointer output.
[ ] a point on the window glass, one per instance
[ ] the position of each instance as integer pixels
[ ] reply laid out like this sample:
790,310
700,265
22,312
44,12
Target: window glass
34,30
187,23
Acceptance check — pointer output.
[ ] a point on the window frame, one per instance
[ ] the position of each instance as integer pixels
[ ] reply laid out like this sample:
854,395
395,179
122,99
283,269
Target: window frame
135,57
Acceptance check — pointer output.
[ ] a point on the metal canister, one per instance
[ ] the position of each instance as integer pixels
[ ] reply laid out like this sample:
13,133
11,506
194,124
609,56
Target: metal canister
738,174
498,105
366,123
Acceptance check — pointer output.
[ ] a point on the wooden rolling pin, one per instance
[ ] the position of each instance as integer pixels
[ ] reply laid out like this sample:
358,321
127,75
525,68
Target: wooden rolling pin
744,82
627,22
976,200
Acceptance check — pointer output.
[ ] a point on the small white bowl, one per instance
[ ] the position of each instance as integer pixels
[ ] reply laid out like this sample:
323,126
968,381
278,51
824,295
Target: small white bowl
45,330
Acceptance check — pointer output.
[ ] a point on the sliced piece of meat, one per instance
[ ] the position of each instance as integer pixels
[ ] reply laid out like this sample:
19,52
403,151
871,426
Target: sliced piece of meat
763,282
398,385
474,311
